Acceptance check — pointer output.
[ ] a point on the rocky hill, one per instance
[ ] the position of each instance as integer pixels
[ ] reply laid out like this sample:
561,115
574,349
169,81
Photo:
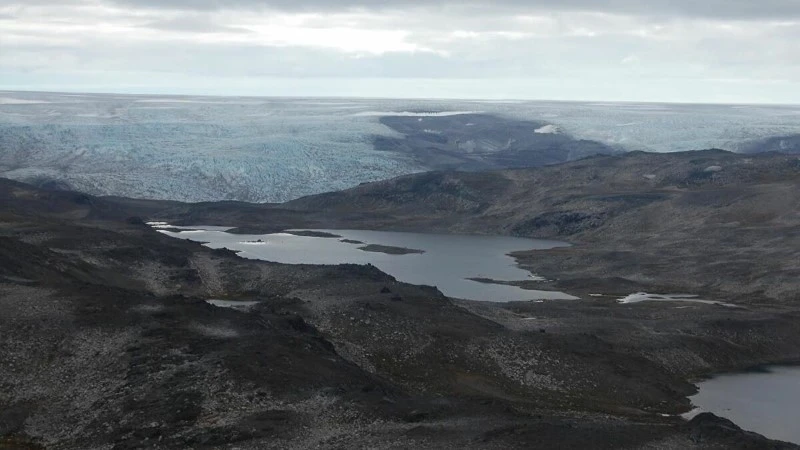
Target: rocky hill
709,220
108,341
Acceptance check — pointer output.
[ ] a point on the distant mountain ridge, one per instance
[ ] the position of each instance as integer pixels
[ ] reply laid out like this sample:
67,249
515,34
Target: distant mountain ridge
474,142
503,200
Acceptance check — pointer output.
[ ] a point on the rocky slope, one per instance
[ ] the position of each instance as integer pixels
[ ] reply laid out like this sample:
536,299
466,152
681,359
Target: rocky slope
712,221
110,343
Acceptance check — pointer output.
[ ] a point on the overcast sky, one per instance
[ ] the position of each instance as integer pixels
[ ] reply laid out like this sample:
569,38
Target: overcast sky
735,51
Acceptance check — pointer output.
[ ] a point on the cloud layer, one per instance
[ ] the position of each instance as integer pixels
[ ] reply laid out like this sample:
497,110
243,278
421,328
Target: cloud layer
722,9
716,50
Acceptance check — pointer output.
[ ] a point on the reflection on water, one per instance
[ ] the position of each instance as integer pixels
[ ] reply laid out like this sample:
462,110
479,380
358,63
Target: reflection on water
446,262
766,402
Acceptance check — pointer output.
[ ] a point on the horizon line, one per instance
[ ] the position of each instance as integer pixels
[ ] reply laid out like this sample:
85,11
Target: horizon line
367,97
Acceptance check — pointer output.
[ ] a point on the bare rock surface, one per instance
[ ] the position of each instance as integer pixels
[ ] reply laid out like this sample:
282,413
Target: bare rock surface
108,341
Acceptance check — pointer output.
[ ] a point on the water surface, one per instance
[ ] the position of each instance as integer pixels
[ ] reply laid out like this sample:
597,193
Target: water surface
766,402
446,260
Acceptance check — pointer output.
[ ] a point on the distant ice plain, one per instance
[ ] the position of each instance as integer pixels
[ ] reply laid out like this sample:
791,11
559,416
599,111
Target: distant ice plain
277,149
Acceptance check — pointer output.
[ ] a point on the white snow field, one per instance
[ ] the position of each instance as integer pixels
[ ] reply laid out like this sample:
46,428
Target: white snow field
276,149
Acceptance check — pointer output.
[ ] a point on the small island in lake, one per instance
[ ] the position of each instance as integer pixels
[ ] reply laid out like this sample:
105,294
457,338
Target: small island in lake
389,250
311,233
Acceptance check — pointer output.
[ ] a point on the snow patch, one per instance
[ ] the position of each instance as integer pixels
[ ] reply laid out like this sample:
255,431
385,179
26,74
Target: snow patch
162,225
19,101
412,114
176,100
640,297
232,304
547,129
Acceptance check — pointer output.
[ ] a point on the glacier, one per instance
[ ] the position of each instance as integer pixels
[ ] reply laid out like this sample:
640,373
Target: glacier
276,149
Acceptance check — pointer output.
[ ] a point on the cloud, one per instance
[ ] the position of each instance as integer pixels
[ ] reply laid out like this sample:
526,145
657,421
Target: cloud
569,49
722,9
193,24
708,9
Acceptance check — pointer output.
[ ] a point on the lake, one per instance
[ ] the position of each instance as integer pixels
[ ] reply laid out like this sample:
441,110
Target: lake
766,402
442,260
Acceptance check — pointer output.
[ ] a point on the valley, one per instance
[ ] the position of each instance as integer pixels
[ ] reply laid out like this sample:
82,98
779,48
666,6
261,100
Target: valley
391,225
111,339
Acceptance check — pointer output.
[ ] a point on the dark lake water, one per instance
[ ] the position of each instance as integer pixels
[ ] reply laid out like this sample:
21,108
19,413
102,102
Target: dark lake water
766,402
447,262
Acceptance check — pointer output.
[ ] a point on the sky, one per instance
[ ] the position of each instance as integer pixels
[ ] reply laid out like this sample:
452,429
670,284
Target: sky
695,51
